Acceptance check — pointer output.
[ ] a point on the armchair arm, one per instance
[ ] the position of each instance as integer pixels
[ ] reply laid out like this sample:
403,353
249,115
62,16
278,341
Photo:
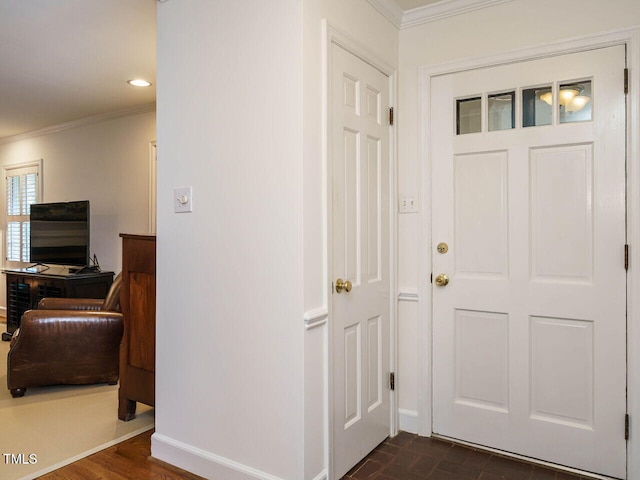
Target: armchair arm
14,337
83,327
52,303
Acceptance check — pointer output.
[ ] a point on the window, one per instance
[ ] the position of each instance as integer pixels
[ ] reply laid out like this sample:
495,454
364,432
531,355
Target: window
22,190
502,112
551,104
575,102
469,119
536,106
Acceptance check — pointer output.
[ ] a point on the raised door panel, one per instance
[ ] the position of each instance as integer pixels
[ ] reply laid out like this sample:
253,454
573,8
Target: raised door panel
352,375
481,360
350,177
562,206
481,214
562,371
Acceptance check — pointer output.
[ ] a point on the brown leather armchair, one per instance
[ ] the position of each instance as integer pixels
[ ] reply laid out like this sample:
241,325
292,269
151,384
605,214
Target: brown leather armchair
67,341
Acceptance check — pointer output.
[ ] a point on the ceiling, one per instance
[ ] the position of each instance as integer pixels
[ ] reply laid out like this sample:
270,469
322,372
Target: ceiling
63,60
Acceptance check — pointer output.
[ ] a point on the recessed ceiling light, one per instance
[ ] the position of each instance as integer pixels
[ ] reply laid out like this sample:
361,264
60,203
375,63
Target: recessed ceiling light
138,82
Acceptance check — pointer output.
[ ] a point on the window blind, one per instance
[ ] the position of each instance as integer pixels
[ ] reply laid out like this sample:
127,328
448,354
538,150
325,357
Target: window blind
22,192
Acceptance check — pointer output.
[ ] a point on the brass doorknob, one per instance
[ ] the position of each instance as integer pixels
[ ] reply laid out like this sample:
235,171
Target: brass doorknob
342,285
442,280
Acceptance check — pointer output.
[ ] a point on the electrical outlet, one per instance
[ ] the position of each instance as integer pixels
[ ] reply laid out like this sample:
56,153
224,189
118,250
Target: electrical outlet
407,204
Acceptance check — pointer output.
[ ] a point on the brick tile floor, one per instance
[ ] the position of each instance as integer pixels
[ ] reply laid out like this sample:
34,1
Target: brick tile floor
410,457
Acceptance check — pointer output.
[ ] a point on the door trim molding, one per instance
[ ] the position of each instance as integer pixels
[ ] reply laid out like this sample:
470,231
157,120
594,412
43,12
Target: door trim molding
331,36
153,185
630,37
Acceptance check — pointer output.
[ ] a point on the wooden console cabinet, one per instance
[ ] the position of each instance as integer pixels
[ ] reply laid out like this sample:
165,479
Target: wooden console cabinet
138,302
25,288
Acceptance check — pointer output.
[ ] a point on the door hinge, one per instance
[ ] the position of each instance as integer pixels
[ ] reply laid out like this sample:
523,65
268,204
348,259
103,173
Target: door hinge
626,427
626,81
626,257
390,115
392,380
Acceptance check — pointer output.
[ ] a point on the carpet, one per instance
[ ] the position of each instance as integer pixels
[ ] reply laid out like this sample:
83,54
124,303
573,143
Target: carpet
53,426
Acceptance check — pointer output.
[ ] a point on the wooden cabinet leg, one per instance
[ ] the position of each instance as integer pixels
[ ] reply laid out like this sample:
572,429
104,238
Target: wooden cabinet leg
18,392
126,409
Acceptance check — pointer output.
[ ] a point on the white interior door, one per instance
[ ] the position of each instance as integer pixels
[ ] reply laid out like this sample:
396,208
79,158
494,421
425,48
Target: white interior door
360,251
529,335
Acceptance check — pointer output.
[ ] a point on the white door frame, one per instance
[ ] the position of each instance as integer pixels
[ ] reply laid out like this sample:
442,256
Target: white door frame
335,36
153,185
629,37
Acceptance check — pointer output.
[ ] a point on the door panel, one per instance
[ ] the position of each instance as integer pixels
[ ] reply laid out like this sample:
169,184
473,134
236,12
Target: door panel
360,240
529,336
561,183
562,386
481,227
481,359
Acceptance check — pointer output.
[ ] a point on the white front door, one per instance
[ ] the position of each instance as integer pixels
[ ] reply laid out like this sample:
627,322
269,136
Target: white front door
360,250
529,335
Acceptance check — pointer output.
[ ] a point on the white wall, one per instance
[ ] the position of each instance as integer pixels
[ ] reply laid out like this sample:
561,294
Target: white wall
230,349
514,25
106,163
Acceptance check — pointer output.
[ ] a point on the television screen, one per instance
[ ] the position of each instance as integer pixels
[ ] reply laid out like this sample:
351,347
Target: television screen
60,233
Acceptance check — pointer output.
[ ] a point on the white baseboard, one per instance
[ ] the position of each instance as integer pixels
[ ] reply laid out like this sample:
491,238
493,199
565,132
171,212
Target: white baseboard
408,420
3,313
203,463
321,476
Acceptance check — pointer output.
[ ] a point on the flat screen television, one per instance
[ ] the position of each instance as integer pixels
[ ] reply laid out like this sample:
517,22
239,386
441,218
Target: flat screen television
60,233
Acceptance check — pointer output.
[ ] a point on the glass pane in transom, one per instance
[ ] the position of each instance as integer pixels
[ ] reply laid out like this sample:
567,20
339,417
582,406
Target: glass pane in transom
575,102
536,106
468,115
501,111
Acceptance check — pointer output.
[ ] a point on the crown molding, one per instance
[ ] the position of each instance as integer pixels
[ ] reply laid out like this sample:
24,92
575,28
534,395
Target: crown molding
102,117
390,10
429,13
444,9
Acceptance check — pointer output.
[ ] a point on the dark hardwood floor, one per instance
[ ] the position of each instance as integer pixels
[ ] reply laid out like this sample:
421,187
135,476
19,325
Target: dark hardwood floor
404,457
128,460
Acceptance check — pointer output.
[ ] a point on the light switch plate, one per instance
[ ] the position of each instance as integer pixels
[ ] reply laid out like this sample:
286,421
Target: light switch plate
183,199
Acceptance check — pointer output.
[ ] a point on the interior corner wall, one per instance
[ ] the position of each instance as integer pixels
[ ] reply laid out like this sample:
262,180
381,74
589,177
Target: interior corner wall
106,163
514,25
230,346
365,25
